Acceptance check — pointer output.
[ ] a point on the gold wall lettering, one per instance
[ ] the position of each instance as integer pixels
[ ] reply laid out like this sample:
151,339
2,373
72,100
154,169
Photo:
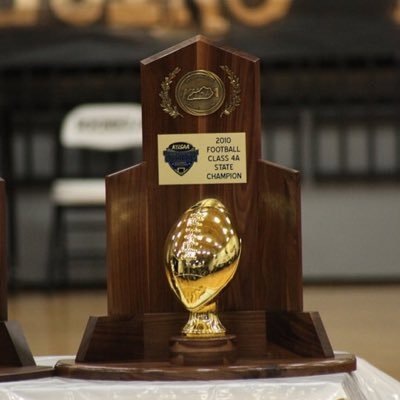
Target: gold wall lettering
396,12
263,14
23,13
125,15
145,13
151,14
84,12
212,20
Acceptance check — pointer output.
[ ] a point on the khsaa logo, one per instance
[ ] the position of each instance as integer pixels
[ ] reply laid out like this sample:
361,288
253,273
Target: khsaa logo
180,156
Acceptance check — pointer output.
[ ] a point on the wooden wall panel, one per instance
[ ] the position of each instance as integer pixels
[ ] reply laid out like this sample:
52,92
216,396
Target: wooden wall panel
279,237
127,242
240,199
266,209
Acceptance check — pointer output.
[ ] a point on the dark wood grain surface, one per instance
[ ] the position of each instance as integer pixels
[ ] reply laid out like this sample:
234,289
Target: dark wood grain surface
242,369
128,286
279,237
11,374
189,351
258,334
14,349
248,326
137,280
300,334
112,338
167,203
3,254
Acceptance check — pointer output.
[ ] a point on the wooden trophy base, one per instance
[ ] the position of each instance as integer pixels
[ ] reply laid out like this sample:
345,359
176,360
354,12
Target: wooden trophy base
10,374
186,351
16,360
241,369
139,348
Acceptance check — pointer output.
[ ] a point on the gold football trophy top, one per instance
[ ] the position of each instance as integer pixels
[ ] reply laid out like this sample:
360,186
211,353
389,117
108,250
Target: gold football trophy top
202,253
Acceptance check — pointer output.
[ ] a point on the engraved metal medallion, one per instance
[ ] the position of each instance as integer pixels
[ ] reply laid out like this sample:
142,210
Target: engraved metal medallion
200,92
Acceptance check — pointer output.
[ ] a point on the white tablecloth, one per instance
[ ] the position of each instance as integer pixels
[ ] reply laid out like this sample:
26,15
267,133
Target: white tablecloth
367,383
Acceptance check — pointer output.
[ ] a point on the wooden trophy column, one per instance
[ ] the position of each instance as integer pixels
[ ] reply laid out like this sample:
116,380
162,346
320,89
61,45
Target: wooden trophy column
16,361
263,305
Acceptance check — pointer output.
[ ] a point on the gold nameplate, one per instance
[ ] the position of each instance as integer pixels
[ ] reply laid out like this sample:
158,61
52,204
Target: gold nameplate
202,158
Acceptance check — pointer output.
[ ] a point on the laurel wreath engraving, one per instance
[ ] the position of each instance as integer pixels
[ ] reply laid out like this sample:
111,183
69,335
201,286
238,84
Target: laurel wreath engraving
166,102
172,110
234,98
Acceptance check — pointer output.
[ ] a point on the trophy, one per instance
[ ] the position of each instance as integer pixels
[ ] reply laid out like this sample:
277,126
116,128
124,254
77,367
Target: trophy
16,360
202,153
202,253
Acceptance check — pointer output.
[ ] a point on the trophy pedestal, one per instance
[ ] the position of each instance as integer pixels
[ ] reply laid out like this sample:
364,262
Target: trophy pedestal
241,369
16,360
141,348
204,351
10,374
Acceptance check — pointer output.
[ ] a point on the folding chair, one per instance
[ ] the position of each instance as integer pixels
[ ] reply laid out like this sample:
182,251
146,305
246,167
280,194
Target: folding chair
95,140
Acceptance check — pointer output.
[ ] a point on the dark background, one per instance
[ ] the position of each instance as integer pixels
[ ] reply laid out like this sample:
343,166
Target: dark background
330,107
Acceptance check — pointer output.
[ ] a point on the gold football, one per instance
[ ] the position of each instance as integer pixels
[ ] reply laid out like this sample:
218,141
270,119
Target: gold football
202,253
